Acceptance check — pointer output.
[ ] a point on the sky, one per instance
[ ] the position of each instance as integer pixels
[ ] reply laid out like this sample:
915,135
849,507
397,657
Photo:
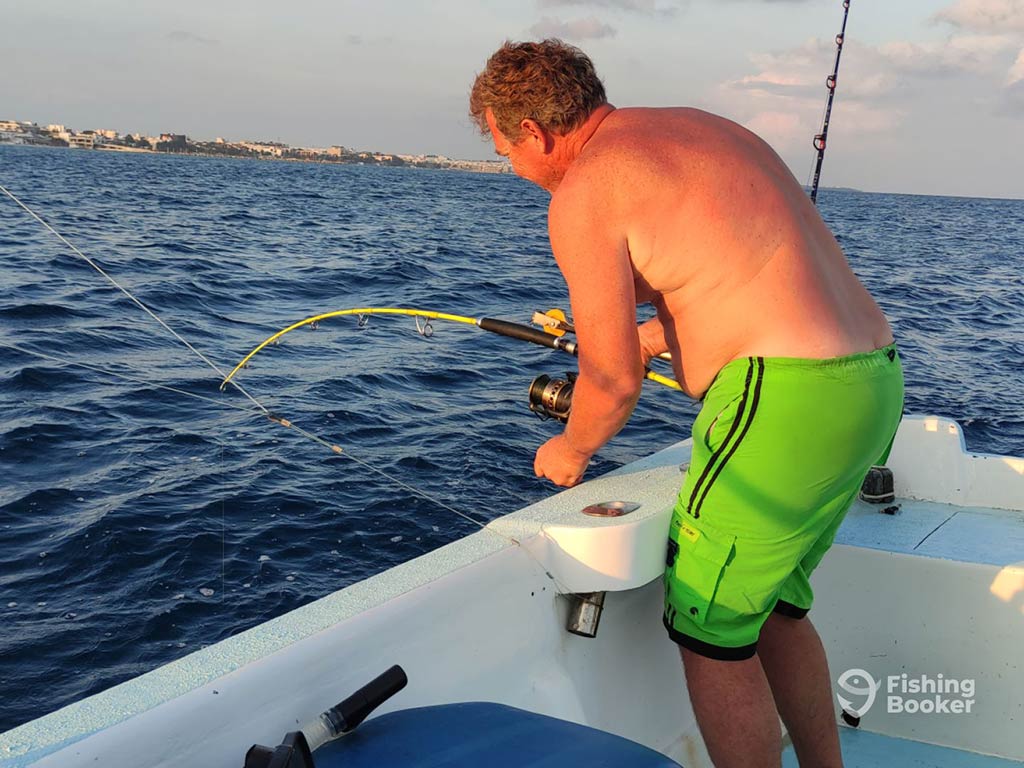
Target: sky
930,97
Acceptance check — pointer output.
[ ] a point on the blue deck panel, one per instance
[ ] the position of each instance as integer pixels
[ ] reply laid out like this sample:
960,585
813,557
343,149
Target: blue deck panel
931,529
863,749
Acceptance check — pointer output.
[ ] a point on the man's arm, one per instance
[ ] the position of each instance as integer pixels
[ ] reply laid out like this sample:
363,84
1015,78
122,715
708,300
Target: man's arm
594,259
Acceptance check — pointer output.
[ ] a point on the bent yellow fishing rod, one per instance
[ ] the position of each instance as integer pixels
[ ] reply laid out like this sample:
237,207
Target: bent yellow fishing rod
552,337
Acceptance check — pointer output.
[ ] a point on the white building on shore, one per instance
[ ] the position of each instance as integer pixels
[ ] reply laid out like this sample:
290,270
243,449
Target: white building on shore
85,140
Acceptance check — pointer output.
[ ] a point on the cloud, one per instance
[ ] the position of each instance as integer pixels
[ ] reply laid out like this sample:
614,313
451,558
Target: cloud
643,6
790,124
182,36
882,72
782,99
1011,97
981,61
791,73
992,16
800,72
1016,73
589,28
959,53
777,128
646,7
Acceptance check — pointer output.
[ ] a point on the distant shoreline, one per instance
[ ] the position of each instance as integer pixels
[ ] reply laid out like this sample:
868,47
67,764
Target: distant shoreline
453,165
387,160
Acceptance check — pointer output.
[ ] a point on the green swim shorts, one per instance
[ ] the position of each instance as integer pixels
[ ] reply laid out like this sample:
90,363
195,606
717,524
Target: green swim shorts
780,449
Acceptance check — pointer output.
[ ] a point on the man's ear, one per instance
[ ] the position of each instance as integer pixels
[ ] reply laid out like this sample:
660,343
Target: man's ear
534,131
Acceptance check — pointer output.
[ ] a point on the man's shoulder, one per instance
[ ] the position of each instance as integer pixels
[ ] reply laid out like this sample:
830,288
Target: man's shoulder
588,200
616,168
586,191
600,169
643,140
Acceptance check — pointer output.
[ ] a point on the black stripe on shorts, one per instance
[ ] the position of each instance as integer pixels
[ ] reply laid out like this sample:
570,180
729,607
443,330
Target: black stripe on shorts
725,443
758,378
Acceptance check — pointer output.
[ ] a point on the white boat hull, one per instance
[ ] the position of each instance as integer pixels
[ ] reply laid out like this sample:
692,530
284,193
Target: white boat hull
936,589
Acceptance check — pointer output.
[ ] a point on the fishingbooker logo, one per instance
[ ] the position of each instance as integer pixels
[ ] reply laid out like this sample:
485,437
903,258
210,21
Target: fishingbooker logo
858,683
921,694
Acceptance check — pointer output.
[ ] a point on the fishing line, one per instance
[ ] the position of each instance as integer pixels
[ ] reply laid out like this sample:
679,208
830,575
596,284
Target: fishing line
221,402
342,452
126,292
253,411
334,448
283,422
483,526
286,423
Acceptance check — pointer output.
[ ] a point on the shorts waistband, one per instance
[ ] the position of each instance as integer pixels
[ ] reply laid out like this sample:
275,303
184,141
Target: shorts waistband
875,358
876,362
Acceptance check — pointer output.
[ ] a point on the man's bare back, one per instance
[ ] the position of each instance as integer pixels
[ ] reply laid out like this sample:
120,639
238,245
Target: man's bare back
722,241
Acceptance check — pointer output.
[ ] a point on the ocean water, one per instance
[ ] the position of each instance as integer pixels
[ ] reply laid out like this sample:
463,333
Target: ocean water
138,524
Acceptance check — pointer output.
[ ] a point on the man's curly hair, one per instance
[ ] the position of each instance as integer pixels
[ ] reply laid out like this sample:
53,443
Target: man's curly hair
551,82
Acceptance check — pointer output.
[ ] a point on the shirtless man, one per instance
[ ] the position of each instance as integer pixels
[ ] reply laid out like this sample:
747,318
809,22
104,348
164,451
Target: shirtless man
801,385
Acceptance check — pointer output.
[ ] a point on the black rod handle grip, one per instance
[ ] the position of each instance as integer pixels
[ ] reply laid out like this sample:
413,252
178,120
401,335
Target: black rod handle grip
350,712
521,332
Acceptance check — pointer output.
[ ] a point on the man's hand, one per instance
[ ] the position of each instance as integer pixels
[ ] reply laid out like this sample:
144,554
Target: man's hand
560,463
652,340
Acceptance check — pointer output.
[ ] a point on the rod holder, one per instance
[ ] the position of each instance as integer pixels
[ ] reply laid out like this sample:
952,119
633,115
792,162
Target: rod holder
585,613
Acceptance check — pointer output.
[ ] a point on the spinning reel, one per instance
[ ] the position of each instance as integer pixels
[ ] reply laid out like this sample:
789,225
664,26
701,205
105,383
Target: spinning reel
551,398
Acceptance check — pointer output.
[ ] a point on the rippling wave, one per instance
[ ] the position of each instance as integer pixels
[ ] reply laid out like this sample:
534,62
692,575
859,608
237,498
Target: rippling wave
137,525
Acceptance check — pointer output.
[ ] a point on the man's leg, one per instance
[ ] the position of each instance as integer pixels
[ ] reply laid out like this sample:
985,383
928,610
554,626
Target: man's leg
735,711
794,662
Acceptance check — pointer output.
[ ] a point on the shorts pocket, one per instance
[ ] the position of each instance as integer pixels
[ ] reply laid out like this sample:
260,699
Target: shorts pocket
721,424
695,573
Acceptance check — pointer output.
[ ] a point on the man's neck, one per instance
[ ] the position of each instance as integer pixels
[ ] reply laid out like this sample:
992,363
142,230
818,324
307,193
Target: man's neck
570,146
577,140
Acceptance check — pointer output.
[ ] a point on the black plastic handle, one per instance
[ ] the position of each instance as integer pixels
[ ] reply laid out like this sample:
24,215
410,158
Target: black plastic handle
350,712
521,332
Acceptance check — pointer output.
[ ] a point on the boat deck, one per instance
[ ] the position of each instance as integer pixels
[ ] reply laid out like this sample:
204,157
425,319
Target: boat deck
862,749
930,529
